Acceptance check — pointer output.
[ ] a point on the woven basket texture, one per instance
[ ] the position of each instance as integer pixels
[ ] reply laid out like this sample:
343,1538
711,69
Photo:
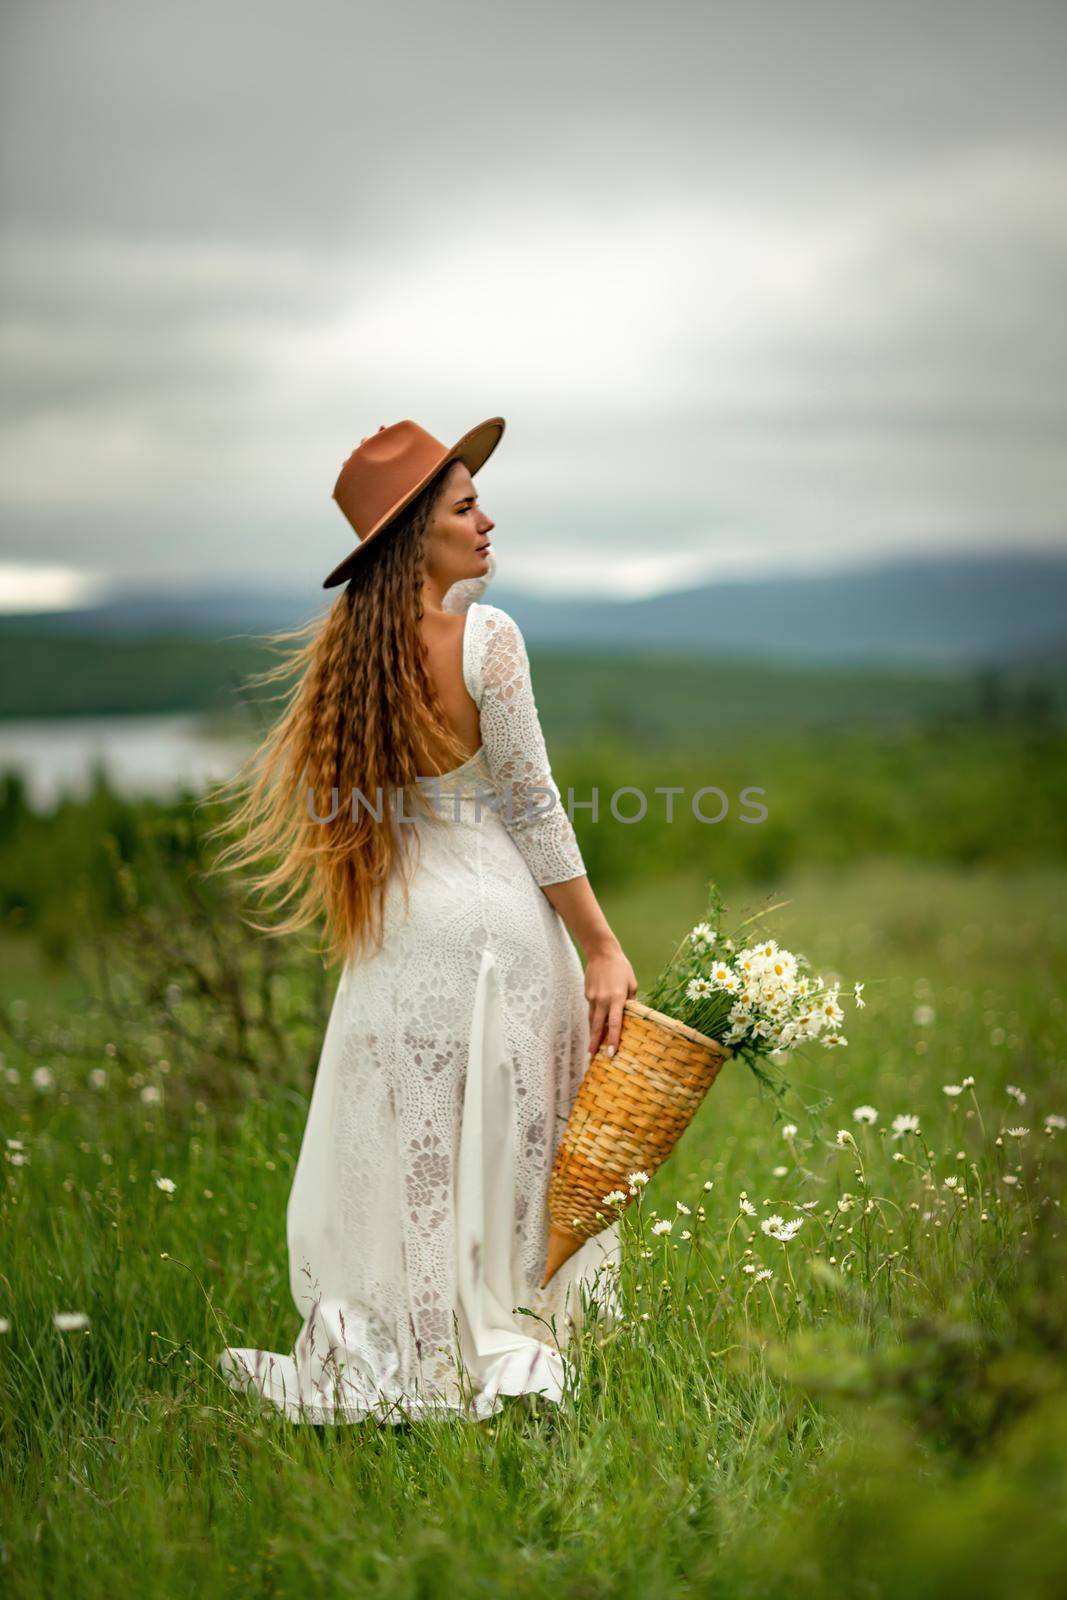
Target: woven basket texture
628,1115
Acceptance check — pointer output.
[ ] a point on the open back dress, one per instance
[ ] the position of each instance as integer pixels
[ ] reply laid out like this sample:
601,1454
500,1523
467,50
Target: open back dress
417,1220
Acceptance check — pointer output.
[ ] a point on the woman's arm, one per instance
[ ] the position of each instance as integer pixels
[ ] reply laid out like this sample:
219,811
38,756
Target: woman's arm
538,822
610,980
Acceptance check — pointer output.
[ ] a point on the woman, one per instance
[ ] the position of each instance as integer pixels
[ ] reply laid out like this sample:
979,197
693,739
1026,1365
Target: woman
406,793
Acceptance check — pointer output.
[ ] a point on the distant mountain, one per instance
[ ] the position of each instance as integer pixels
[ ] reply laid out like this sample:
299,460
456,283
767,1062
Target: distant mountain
958,611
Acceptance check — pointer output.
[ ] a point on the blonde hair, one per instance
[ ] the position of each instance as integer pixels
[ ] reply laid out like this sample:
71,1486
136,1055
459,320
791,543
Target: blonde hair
362,706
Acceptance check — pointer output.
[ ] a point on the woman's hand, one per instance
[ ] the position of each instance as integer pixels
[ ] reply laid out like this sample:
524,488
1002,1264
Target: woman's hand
609,978
609,982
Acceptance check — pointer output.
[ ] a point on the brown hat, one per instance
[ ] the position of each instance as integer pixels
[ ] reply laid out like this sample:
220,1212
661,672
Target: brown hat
389,469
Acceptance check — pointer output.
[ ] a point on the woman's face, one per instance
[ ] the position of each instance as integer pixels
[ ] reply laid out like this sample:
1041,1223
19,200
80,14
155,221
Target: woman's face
458,535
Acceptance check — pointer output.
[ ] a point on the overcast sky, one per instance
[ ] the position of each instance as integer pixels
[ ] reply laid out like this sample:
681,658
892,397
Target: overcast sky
756,287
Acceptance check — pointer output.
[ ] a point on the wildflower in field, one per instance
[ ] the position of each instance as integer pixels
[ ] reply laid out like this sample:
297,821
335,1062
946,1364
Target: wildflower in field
906,1122
697,988
683,1208
43,1078
857,995
1009,1177
865,1114
702,937
15,1144
1054,1122
166,1184
776,1228
844,1138
764,1275
846,1202
664,1225
5,1326
709,1184
922,1016
98,1078
952,1089
968,1083
749,1267
834,1041
745,1205
18,1158
1017,1094
789,1131
779,1172
616,1197
1016,1133
70,1321
952,1182
637,1177
151,1095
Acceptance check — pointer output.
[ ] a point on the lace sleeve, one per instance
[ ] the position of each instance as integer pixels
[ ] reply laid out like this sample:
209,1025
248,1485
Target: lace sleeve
531,806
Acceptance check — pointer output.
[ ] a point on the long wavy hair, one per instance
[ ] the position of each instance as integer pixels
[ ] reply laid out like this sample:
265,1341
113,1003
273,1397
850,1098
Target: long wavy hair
362,704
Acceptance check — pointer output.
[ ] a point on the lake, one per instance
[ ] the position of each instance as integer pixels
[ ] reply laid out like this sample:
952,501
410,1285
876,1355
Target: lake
149,755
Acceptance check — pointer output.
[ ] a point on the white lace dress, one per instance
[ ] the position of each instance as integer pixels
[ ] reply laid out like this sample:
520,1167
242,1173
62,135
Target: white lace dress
417,1220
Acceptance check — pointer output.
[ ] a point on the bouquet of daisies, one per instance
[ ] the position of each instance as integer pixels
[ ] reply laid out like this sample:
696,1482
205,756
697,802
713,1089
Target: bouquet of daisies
718,995
758,999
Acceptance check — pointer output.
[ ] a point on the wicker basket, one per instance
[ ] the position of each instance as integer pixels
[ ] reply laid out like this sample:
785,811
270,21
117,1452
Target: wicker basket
629,1113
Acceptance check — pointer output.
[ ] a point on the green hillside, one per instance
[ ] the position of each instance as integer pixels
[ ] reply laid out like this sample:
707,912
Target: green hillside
636,695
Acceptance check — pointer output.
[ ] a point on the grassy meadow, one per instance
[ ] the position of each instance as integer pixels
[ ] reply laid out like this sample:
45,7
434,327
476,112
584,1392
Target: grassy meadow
884,1414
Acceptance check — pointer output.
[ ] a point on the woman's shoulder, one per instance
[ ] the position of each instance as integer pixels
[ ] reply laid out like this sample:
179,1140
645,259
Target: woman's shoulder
494,617
489,625
492,639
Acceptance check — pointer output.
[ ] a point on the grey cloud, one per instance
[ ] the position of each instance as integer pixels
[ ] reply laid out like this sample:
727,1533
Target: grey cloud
787,274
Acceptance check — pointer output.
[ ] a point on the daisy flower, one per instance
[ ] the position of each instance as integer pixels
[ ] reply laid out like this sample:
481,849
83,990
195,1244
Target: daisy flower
783,1231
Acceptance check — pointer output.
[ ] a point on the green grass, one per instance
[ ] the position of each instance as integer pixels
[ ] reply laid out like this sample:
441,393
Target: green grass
886,1416
964,794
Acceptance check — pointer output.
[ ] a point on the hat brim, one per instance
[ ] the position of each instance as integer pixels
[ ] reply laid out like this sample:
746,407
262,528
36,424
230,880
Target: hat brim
474,450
